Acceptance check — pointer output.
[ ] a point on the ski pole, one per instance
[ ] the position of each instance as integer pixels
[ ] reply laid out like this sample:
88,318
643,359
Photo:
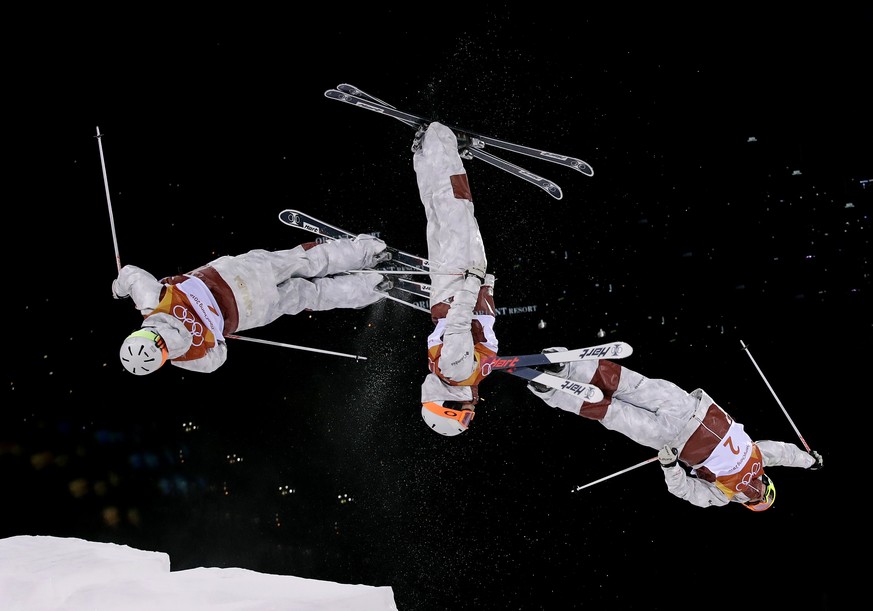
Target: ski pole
401,272
264,341
406,303
108,202
602,479
746,348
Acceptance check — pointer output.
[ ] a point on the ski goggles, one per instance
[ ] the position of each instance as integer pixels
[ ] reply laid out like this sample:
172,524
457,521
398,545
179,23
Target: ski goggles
767,498
452,410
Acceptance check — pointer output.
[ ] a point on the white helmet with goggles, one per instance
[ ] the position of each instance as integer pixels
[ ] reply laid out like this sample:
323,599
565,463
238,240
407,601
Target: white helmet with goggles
143,352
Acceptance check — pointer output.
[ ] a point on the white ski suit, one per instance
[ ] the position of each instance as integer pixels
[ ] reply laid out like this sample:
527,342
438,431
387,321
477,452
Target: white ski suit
462,308
194,312
725,463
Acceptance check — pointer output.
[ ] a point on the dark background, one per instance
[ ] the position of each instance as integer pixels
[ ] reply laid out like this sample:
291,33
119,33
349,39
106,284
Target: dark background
728,205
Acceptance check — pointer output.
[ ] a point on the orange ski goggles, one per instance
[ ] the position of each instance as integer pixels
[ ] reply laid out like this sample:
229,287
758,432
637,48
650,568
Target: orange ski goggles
451,409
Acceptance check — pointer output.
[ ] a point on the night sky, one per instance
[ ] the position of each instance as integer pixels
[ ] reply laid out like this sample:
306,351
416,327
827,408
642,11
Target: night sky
730,203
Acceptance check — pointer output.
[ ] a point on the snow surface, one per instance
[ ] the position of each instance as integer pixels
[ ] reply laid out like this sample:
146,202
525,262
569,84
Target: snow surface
40,573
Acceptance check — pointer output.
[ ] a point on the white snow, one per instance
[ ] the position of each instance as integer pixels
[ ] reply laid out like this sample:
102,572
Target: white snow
39,573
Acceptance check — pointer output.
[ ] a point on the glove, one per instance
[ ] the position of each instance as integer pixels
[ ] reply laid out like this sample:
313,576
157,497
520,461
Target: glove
818,461
116,291
668,456
478,270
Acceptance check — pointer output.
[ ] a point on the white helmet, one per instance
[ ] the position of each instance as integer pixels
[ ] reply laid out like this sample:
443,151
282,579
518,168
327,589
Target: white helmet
448,418
143,352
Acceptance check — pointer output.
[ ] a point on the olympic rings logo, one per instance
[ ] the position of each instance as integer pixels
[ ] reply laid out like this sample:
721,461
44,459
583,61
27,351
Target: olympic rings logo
748,477
191,323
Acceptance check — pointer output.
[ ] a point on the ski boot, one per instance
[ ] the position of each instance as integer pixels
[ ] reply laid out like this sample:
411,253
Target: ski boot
384,286
557,369
419,134
464,144
381,258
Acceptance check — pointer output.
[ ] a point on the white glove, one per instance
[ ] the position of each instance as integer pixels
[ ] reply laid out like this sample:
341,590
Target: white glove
117,291
668,456
478,270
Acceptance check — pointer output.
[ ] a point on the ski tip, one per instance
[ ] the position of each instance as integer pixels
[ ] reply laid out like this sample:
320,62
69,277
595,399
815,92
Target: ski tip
349,89
583,167
288,216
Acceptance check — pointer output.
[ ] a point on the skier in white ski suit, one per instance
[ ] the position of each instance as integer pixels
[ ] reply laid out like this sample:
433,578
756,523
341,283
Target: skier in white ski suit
463,342
726,465
187,317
